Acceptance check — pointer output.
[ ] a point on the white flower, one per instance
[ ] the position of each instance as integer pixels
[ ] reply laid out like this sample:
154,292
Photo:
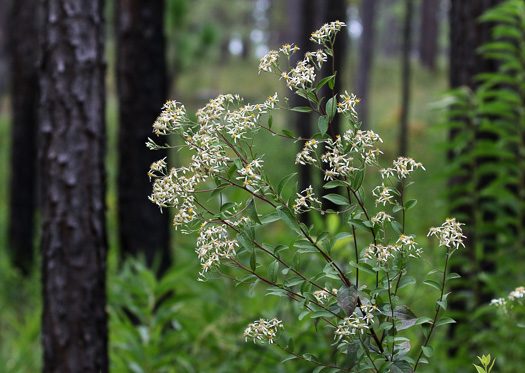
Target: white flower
305,201
409,246
324,295
450,233
263,330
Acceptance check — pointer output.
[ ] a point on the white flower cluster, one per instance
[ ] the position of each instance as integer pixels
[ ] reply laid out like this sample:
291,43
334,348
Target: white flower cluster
347,105
175,190
364,143
317,58
269,61
402,167
382,194
289,49
211,151
324,295
157,168
338,161
380,253
305,201
263,330
327,32
305,156
409,246
251,175
172,117
450,233
380,218
359,321
515,296
302,76
212,245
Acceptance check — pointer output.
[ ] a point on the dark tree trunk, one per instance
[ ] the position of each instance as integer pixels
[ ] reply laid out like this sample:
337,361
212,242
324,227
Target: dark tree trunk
4,63
302,24
366,53
467,34
406,78
72,146
23,177
428,37
142,88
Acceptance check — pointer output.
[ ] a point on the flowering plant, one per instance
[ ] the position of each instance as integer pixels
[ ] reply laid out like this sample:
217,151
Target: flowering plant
225,196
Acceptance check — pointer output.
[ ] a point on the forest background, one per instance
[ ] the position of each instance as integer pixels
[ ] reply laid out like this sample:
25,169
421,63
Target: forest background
399,56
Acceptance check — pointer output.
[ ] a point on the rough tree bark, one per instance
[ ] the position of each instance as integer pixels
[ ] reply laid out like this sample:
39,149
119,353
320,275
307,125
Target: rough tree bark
72,146
24,88
142,89
428,37
366,53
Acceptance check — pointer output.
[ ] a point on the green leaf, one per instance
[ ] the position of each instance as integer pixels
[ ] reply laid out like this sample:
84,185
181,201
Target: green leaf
428,351
270,218
270,122
333,184
289,134
424,320
433,284
288,357
358,179
401,366
337,199
347,299
397,227
409,204
251,211
318,314
331,108
273,269
407,280
253,261
323,81
444,321
322,123
302,109
245,242
293,281
287,217
283,183
452,276
360,224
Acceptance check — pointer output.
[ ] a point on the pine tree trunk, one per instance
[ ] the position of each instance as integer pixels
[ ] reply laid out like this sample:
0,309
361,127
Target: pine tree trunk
22,198
74,243
142,88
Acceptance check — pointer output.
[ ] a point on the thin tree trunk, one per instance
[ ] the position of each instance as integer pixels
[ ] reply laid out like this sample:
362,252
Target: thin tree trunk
366,53
74,242
142,88
428,37
406,78
24,85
